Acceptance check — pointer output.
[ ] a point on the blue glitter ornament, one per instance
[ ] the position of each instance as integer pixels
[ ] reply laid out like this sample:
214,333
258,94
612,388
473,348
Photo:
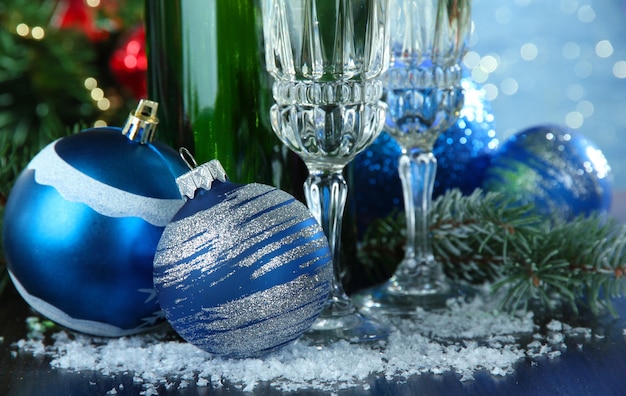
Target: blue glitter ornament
557,169
463,154
82,223
242,269
465,149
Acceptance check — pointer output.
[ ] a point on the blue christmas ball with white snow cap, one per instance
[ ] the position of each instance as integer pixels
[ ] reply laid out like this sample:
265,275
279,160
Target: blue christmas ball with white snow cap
82,223
560,171
241,270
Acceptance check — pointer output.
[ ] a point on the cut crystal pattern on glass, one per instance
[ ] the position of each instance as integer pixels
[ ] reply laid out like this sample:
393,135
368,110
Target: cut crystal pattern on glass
416,117
328,137
401,77
429,32
315,40
424,97
423,84
327,57
327,93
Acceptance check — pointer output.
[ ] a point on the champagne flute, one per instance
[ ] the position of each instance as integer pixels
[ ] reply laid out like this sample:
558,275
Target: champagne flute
327,57
424,95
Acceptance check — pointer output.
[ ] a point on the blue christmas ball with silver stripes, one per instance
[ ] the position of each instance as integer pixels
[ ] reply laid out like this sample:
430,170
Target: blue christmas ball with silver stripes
82,223
241,270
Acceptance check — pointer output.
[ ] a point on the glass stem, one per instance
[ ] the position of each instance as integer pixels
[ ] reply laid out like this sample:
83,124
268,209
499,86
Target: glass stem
418,273
325,193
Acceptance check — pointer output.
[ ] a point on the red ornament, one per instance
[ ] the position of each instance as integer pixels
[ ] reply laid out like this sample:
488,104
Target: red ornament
129,64
84,16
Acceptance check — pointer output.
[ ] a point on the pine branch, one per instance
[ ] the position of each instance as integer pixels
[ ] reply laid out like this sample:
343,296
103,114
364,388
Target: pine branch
580,263
42,81
41,85
486,237
474,235
4,275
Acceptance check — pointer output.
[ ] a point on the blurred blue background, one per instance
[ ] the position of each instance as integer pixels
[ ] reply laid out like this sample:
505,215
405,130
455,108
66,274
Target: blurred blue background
555,61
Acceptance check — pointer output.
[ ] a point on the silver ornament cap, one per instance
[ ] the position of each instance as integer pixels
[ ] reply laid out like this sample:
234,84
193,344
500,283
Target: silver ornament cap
141,125
198,177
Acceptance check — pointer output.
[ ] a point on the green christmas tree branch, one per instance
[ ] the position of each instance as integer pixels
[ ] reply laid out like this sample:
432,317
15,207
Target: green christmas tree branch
489,238
41,85
42,80
579,262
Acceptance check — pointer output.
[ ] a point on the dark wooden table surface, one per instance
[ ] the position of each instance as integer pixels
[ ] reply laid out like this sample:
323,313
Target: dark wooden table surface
597,369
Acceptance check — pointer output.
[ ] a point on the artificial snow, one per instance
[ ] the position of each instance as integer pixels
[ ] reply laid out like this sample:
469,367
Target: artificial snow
465,339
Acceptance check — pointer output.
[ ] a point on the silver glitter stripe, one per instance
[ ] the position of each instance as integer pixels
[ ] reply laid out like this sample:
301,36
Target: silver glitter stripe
74,186
224,212
262,243
299,251
282,312
176,245
262,335
262,305
208,228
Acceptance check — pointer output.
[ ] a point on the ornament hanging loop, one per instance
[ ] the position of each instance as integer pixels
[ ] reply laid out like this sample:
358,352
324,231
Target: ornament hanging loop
198,177
188,158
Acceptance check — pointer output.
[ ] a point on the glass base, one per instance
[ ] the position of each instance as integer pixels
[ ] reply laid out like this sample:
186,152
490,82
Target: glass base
391,299
349,326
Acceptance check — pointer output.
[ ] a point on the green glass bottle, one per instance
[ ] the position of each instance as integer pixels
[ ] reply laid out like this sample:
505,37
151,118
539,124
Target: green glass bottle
205,68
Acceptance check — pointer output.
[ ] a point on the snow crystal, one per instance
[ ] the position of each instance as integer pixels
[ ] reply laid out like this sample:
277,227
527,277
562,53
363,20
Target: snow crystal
584,331
556,338
554,325
465,339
